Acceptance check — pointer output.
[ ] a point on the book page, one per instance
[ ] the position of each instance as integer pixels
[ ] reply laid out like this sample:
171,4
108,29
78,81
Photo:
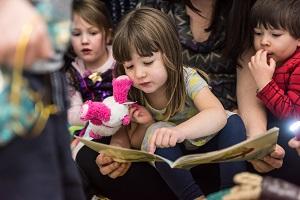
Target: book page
250,149
123,154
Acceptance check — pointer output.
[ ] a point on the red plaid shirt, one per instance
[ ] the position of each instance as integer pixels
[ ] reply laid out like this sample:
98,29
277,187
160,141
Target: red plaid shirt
282,94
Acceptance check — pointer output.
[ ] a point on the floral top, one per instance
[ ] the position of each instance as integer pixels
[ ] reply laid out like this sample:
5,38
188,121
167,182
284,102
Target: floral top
86,85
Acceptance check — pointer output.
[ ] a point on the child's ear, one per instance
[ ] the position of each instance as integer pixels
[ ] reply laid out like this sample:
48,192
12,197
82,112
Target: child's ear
298,42
109,36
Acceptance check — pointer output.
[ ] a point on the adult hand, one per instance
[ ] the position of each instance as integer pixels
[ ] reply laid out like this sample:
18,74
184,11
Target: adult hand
39,46
293,143
272,161
108,166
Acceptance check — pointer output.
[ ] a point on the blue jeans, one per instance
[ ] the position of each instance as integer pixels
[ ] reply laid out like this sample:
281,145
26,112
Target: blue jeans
182,182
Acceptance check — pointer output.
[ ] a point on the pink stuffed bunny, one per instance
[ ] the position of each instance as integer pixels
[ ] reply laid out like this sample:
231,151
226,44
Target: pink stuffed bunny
105,118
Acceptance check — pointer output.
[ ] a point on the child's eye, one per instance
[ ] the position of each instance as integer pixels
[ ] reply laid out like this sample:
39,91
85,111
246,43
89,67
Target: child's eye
75,34
148,63
94,33
276,34
128,67
257,33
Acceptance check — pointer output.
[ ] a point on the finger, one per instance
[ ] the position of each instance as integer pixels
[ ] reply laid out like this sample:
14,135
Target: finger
152,145
108,169
257,56
173,141
272,63
159,137
253,61
118,171
263,57
102,159
166,140
126,168
275,163
250,65
278,153
261,166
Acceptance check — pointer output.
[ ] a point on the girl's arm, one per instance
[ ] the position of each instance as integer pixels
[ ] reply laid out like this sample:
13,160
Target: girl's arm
211,118
75,106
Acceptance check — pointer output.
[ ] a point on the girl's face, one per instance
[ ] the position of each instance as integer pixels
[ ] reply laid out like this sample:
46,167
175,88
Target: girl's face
279,44
89,43
148,74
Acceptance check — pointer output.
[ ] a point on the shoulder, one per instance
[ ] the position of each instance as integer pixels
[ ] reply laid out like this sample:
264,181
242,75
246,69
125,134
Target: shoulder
193,81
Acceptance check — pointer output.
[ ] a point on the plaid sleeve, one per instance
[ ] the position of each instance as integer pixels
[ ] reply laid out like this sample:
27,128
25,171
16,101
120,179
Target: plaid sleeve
282,103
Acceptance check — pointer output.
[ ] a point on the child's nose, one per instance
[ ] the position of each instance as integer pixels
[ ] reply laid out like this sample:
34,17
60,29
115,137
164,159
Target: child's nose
140,73
84,39
265,41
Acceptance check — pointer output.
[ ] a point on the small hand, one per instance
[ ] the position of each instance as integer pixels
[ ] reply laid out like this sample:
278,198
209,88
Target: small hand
165,137
140,115
261,71
293,143
108,166
272,161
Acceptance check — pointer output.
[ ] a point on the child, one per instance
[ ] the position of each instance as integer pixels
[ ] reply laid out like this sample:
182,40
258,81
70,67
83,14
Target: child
90,72
276,64
147,49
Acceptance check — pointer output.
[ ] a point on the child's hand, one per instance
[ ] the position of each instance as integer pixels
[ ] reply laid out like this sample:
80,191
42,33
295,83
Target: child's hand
261,69
165,137
293,143
108,166
140,115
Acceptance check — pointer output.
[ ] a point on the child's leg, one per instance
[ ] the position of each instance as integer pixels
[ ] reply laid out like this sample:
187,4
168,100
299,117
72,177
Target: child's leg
233,133
180,181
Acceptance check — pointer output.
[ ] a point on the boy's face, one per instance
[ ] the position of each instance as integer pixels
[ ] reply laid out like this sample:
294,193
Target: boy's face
279,44
88,42
148,74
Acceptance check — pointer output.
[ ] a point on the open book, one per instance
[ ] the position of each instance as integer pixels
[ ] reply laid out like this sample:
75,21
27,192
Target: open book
250,149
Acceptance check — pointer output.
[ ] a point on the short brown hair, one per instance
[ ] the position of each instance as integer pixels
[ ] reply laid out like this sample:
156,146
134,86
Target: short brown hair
277,14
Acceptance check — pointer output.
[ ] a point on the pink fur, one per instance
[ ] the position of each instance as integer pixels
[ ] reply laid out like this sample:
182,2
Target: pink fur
121,87
95,136
126,120
96,112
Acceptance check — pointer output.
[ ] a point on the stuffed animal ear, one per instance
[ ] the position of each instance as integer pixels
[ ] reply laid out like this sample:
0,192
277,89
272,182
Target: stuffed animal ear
121,87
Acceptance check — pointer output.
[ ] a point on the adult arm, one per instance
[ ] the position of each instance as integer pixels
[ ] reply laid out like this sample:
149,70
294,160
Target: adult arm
39,45
253,114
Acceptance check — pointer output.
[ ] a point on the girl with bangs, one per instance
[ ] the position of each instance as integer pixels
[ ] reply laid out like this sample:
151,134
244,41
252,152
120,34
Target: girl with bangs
180,103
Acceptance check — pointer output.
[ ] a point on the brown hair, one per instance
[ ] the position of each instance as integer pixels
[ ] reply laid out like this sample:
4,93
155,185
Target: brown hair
94,12
278,14
148,30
